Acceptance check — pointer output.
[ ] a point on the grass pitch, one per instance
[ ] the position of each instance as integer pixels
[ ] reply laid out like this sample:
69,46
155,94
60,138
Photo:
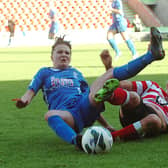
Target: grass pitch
26,141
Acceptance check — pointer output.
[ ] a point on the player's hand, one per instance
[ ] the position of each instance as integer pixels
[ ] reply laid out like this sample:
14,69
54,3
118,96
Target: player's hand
106,59
20,103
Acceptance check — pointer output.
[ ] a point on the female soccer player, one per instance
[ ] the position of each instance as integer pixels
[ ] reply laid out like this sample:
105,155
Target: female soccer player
119,25
70,101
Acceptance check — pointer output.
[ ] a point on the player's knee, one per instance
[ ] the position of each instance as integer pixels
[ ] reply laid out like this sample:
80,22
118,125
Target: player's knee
153,124
50,113
64,115
135,98
46,116
110,35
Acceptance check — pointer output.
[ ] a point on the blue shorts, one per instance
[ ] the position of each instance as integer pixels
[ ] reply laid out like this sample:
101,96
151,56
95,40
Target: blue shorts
84,113
119,26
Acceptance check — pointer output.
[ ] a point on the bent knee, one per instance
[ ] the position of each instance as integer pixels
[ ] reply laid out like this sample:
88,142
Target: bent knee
51,113
110,35
65,115
154,123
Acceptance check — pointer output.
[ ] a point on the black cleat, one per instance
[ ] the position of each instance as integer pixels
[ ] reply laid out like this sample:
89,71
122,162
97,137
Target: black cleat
156,44
79,142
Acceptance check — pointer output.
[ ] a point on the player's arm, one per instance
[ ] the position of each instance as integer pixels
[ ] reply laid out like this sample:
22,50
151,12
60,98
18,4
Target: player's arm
25,99
104,123
33,88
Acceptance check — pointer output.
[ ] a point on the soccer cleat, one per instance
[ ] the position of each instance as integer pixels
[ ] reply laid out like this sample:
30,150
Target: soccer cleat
105,92
79,142
156,44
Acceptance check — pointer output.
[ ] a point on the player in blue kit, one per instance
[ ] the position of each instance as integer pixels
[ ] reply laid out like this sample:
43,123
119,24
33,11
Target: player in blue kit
119,25
71,104
67,94
54,27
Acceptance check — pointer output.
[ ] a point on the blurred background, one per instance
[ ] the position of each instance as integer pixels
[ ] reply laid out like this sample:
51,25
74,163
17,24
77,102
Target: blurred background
83,21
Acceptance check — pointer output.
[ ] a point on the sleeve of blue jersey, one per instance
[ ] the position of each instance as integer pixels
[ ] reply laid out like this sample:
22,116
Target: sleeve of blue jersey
36,82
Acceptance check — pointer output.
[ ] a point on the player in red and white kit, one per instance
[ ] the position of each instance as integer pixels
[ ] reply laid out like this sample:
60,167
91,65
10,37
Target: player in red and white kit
144,107
144,104
152,95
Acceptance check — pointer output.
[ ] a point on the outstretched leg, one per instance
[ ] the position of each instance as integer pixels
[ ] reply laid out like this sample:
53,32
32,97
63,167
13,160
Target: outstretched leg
129,70
156,52
149,125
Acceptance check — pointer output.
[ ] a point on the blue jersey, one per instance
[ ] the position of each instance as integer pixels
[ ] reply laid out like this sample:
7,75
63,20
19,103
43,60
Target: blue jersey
117,4
66,90
59,86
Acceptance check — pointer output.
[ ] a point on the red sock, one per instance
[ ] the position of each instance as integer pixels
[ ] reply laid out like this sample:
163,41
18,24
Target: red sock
126,133
118,97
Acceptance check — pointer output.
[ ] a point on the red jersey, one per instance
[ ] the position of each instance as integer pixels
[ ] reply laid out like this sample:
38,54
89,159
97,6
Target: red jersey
152,93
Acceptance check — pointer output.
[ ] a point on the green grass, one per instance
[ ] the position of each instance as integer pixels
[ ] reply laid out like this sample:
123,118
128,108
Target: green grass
26,141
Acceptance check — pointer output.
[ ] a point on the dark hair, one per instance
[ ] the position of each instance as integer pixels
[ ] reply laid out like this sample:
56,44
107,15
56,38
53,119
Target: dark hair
60,40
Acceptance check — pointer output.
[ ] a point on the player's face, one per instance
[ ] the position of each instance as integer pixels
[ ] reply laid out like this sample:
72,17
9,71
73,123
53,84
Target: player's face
61,56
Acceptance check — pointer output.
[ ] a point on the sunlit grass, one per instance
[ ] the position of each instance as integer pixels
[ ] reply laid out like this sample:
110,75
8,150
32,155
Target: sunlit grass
26,141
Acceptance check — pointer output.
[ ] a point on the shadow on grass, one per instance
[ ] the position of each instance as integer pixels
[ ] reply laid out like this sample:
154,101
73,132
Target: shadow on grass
26,139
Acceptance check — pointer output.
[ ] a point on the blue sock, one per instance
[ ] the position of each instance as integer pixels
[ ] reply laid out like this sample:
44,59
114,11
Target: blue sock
133,67
62,129
131,46
113,44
